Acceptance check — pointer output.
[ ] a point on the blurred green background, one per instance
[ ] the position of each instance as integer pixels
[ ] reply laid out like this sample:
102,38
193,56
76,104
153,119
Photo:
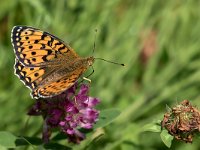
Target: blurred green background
159,41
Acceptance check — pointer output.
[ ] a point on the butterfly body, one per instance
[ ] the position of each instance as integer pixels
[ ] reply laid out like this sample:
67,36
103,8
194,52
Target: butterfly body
60,71
44,63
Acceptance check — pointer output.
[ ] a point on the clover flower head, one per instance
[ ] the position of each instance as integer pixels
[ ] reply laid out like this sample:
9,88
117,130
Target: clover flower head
68,112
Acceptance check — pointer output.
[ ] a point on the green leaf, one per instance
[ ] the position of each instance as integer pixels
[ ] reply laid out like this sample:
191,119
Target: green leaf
21,141
59,136
197,135
56,146
106,117
7,139
3,148
93,140
166,138
153,127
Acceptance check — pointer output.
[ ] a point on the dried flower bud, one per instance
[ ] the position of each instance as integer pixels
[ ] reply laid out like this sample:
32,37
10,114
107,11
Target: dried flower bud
182,121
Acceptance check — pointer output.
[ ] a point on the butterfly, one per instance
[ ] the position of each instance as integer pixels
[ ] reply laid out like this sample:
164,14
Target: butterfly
44,63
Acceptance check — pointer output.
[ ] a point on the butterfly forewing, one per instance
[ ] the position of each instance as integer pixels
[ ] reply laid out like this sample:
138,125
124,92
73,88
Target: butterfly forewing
34,47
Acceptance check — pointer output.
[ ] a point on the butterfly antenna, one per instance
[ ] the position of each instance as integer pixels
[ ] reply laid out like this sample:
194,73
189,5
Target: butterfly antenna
110,61
94,46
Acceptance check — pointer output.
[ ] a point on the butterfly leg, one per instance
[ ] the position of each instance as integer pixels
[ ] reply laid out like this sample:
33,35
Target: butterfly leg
85,78
91,72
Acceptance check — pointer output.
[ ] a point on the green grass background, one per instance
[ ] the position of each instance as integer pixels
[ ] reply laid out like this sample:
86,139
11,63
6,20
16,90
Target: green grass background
140,90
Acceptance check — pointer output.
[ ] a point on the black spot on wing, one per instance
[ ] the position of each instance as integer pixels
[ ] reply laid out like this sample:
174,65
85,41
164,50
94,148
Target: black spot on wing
49,52
60,48
50,42
33,53
36,41
43,36
30,47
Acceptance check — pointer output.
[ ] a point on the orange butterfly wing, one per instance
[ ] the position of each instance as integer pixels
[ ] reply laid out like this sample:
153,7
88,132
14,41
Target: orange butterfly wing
58,86
34,47
30,76
39,55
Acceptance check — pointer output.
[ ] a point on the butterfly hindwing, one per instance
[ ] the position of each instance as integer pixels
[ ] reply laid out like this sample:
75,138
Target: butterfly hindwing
30,76
58,86
34,47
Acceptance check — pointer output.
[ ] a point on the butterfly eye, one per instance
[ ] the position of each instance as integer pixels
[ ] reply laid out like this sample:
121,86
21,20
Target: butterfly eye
90,60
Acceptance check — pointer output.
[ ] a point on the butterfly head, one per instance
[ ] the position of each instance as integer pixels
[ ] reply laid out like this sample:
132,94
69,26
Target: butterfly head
90,60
